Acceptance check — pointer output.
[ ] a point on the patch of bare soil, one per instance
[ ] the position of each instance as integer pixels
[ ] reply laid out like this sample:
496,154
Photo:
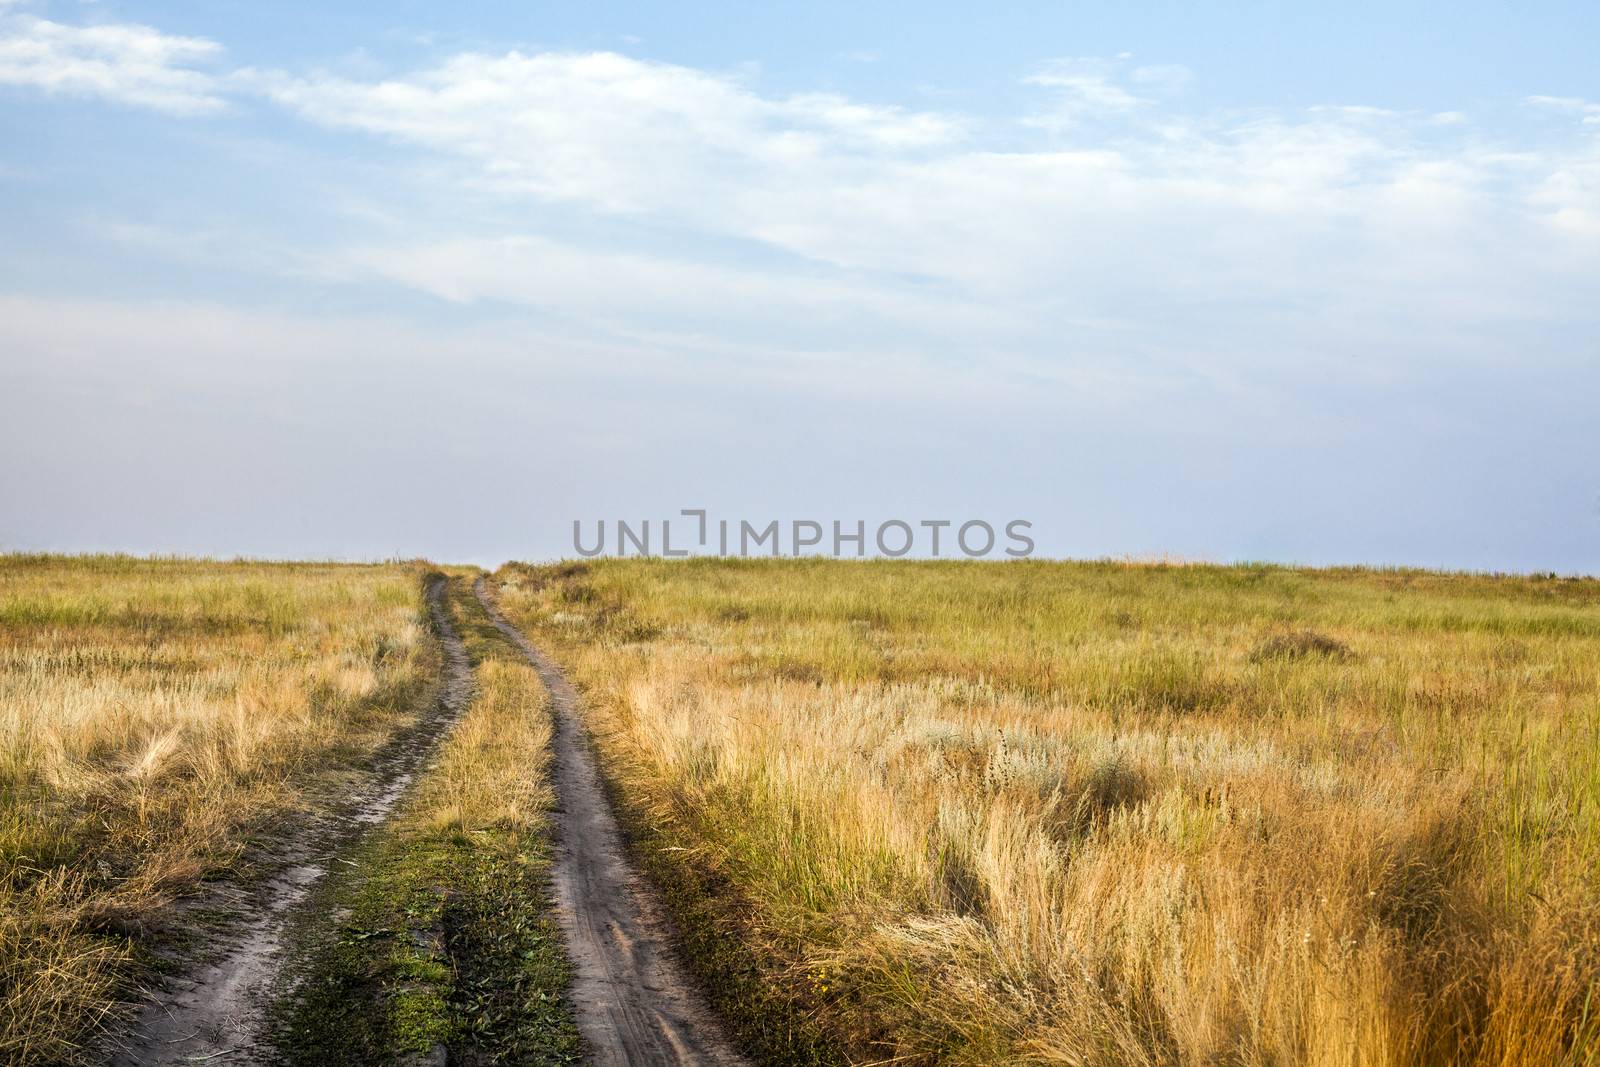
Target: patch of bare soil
213,1011
633,998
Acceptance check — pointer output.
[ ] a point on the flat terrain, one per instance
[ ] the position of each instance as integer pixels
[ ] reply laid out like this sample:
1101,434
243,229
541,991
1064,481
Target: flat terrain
220,1008
155,718
796,811
1099,813
634,1001
270,813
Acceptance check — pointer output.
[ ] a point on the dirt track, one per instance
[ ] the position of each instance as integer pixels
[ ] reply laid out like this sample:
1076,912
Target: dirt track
634,1001
214,1013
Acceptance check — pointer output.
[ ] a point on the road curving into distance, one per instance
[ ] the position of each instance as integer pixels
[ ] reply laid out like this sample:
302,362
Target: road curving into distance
634,1001
215,1011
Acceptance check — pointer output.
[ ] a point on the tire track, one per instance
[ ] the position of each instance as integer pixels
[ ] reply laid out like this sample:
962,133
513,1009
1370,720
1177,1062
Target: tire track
634,1001
215,1012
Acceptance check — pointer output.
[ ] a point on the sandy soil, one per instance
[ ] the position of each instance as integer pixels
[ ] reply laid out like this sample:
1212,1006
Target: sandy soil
214,1012
634,1000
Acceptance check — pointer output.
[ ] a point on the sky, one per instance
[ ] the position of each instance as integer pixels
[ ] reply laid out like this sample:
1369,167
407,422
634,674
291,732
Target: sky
1302,283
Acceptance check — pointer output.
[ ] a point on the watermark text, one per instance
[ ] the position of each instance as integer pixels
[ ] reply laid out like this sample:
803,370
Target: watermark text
694,533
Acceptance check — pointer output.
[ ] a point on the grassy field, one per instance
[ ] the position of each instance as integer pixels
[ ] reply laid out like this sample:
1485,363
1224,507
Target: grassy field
1108,814
905,812
153,715
161,717
446,940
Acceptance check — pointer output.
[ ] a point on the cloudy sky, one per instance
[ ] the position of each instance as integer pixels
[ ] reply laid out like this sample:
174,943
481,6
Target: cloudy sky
360,280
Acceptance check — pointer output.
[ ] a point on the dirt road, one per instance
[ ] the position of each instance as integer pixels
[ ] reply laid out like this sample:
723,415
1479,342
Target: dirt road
214,1013
633,999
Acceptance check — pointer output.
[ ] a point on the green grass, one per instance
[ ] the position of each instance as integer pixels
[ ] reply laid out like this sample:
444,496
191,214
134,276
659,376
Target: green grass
154,715
1096,812
921,812
449,940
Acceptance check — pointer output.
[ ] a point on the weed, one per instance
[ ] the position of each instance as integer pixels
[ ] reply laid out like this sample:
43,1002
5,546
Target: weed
1078,813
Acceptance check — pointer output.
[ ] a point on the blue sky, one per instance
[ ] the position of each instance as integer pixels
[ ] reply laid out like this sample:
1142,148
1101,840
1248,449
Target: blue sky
361,280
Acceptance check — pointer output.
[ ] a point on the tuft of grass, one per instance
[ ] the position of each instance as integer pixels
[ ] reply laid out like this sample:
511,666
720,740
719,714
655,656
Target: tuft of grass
447,941
154,714
1299,645
1108,813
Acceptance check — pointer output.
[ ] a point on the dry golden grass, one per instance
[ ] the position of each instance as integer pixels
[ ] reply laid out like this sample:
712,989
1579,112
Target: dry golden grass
440,934
1114,814
153,713
492,770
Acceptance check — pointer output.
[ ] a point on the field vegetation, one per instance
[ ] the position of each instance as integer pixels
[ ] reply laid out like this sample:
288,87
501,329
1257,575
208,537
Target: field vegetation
446,940
1103,813
154,716
1095,813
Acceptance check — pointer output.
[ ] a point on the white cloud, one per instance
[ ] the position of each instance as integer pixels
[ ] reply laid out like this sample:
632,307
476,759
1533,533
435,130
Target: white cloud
1083,88
539,272
1568,194
1587,112
1129,235
130,64
617,133
1342,278
1570,199
1167,77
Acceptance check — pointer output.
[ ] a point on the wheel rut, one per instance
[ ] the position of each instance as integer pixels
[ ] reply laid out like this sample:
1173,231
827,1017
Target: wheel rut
634,1000
215,1012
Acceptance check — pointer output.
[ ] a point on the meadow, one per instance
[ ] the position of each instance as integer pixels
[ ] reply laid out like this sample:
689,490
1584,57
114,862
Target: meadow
907,812
155,716
1101,813
442,937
